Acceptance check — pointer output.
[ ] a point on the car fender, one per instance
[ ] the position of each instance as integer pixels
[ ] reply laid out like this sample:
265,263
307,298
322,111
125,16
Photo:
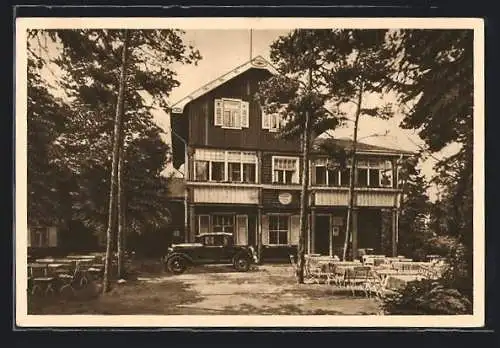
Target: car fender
185,256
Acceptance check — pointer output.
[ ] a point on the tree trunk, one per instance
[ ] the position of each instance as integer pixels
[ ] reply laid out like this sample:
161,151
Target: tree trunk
304,194
352,176
120,210
114,166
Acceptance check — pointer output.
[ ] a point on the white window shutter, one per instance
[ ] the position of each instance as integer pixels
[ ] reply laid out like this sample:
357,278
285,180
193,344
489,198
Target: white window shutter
241,229
52,231
296,173
265,229
294,229
244,114
218,120
266,120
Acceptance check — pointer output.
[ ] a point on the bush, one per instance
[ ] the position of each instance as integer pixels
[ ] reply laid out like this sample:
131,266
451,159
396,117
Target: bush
426,297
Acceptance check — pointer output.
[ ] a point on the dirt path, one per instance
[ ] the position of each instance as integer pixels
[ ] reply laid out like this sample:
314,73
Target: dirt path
270,289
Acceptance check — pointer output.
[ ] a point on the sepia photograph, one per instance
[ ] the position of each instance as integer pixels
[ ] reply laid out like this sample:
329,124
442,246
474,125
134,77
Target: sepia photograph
185,172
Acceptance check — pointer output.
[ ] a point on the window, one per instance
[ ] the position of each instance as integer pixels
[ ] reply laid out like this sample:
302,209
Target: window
285,170
232,166
386,174
249,172
374,177
217,171
234,171
324,174
273,122
201,170
278,229
362,177
231,113
209,240
333,177
374,173
321,177
345,174
203,224
39,237
223,223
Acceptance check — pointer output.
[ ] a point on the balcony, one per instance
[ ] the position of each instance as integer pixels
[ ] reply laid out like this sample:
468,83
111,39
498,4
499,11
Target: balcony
365,197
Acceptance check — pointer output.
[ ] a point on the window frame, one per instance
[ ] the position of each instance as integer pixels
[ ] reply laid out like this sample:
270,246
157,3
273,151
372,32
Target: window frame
278,120
327,172
39,237
383,169
239,101
288,230
227,175
230,215
295,173
243,112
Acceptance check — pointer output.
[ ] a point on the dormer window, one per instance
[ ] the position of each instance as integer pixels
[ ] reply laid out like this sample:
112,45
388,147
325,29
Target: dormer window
231,113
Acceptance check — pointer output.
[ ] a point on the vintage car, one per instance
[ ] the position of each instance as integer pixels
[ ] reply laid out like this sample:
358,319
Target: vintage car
209,248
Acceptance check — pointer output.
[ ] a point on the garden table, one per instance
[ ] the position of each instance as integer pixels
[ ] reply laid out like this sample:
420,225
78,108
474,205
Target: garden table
81,257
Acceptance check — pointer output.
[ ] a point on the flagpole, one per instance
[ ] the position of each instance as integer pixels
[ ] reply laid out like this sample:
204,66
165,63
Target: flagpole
251,44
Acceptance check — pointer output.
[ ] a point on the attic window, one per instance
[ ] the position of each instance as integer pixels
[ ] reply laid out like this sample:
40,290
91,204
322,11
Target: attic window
273,121
231,113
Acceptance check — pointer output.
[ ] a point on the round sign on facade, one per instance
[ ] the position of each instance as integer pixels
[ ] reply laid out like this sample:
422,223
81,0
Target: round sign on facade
285,198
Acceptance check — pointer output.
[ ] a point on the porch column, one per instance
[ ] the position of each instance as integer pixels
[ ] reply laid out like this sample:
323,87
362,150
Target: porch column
354,233
259,233
192,224
394,232
312,232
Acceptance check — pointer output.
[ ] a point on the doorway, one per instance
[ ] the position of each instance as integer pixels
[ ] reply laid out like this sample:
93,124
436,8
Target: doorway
322,235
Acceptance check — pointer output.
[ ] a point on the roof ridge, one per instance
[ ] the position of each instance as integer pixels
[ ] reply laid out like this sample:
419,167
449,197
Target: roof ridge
258,62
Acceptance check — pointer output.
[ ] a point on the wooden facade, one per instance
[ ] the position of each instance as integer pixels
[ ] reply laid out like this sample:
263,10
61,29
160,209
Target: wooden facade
262,208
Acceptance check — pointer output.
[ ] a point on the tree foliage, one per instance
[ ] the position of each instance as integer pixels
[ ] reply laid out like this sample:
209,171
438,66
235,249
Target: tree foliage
435,76
90,63
49,183
415,210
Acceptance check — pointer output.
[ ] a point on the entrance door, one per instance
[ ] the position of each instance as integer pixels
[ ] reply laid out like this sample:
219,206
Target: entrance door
322,235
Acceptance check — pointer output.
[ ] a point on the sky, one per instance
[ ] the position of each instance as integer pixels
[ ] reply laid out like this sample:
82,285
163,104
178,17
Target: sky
223,50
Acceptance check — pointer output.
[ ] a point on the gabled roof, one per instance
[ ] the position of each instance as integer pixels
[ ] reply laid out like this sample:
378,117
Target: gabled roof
360,147
255,63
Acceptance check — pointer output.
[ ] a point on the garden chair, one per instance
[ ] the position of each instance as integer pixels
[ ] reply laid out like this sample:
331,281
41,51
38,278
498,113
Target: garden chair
69,278
313,271
83,267
377,285
357,278
41,282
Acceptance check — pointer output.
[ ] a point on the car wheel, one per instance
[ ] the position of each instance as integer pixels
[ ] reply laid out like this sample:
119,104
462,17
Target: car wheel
242,264
177,265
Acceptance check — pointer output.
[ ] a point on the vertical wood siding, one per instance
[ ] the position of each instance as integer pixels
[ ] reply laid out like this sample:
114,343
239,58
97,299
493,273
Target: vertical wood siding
202,131
364,199
242,195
